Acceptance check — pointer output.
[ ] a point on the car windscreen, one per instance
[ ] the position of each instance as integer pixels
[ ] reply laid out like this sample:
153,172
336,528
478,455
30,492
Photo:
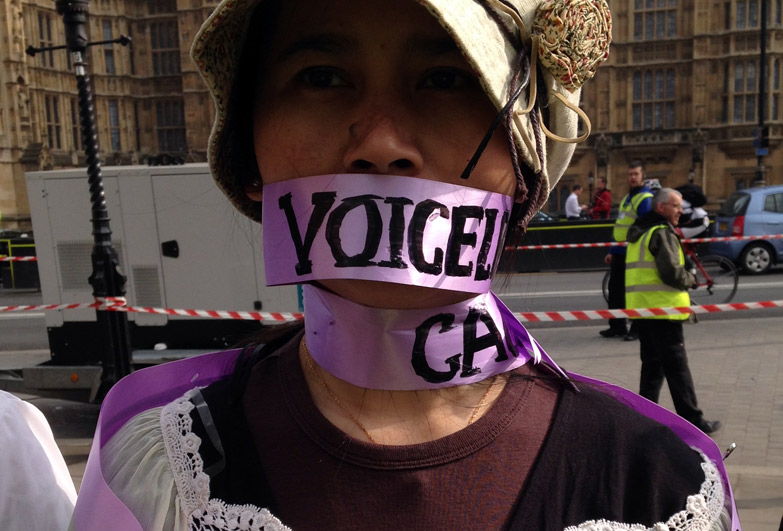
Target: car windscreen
735,205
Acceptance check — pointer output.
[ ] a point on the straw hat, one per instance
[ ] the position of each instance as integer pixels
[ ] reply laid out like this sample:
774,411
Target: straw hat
569,38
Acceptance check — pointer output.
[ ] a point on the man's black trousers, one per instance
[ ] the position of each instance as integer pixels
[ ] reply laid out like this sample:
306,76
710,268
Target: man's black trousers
662,348
617,292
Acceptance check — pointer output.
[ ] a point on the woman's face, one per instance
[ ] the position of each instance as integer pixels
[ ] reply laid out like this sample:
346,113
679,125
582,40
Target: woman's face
372,86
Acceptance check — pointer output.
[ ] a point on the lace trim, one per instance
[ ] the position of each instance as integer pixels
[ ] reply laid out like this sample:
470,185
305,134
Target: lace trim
203,513
702,511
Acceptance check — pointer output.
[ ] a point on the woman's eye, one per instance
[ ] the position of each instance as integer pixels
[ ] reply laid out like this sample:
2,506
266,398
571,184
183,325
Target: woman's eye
320,77
447,79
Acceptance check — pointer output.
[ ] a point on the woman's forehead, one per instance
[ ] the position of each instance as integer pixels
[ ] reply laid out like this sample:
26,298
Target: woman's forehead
340,25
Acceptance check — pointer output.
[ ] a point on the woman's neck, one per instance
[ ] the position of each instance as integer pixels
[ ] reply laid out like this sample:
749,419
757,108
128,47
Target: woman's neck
397,417
416,349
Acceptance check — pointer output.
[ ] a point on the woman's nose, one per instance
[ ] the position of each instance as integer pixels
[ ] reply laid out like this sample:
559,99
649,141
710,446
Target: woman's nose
379,143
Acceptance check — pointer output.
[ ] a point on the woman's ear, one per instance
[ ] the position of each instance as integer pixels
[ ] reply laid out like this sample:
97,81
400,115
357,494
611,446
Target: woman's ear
255,191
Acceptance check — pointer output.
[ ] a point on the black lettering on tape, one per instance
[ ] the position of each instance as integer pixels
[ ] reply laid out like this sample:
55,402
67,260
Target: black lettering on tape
473,344
419,354
372,239
421,215
484,270
459,239
322,201
396,232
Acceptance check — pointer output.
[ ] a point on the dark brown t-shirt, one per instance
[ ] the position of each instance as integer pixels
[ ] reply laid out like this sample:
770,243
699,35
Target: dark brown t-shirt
324,479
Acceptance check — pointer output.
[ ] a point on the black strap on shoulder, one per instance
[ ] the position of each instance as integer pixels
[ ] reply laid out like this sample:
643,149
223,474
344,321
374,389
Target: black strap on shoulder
227,448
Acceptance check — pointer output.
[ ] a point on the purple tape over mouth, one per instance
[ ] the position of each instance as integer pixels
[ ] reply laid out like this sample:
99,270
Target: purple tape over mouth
386,228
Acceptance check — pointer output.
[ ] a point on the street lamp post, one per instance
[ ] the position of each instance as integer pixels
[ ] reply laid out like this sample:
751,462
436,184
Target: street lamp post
106,279
762,148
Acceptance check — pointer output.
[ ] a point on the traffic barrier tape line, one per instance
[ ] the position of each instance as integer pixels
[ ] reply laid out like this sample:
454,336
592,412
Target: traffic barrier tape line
543,246
118,304
623,244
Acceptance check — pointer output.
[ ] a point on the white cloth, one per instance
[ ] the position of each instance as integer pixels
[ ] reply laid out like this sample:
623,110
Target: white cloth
699,220
36,490
137,470
572,208
140,461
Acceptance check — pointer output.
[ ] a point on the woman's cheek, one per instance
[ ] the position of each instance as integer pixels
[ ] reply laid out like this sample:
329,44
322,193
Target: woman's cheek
294,152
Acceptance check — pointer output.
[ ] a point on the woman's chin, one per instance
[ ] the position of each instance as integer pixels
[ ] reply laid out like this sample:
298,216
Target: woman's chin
377,294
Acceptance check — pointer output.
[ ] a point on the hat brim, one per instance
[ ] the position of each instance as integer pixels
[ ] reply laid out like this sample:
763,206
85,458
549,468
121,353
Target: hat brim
218,47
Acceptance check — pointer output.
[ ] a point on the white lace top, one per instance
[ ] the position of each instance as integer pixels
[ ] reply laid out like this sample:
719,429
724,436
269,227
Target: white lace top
163,483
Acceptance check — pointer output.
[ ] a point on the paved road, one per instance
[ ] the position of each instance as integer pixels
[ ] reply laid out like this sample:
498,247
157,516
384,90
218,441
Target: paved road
736,359
737,366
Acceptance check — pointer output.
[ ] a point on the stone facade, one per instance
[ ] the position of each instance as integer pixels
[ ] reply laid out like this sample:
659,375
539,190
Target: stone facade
680,91
148,97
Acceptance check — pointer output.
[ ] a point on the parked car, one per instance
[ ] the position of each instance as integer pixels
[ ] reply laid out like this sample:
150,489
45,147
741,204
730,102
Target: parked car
542,217
751,212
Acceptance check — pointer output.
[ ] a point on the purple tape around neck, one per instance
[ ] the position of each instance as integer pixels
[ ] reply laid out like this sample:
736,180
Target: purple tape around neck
376,348
359,227
98,508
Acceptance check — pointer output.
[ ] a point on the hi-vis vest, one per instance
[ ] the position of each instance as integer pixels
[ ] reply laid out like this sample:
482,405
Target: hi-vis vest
643,285
627,215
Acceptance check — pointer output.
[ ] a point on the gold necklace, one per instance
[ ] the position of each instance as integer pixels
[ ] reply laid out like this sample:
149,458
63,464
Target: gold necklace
481,402
336,399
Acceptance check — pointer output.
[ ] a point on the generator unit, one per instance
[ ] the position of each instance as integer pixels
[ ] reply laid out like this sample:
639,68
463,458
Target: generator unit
180,244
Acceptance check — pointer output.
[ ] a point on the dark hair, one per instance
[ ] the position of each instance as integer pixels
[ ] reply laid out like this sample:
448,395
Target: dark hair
271,334
238,147
637,163
576,187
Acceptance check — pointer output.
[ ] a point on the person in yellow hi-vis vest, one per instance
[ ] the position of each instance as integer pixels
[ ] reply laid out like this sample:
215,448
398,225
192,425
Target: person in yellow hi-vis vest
657,276
634,205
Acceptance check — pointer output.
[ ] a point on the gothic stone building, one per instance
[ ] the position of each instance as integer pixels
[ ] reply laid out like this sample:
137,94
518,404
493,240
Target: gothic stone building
680,91
148,97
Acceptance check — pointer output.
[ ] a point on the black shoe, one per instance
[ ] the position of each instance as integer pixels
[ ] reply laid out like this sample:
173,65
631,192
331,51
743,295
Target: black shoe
611,332
709,426
631,337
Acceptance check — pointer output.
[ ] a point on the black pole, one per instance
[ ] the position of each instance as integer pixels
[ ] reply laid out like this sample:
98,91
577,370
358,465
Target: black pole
106,279
762,107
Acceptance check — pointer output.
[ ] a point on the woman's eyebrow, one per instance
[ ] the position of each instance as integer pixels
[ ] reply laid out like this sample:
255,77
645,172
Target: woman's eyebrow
425,45
326,43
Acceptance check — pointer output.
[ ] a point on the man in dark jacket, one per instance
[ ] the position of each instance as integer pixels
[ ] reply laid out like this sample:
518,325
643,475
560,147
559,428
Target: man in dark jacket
634,205
657,276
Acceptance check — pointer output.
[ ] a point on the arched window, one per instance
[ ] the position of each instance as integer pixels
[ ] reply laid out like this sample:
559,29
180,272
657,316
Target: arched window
669,104
748,13
653,99
654,19
743,96
637,97
775,96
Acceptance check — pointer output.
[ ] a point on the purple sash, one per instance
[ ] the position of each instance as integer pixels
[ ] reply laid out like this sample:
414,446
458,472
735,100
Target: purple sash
98,508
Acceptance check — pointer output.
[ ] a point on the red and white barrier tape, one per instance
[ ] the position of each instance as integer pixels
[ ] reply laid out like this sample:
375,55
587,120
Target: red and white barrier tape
100,303
18,258
537,247
117,304
277,317
622,244
589,315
